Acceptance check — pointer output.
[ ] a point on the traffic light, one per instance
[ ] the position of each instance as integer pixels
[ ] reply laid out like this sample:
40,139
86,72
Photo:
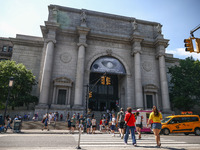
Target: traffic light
103,80
198,45
90,94
189,45
108,82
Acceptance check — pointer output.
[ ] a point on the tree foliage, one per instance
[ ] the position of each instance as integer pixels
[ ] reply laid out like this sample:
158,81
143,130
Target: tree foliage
185,84
24,80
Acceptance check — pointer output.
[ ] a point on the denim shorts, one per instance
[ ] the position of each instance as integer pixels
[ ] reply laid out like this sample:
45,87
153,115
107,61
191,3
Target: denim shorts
156,126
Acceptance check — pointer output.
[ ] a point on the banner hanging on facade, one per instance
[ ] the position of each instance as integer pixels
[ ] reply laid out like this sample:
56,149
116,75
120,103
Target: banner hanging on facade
109,65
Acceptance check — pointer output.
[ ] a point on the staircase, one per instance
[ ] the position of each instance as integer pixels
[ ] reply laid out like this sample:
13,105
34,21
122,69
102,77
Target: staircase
59,125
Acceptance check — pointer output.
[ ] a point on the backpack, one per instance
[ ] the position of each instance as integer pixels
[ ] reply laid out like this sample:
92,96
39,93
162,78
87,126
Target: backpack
43,120
121,117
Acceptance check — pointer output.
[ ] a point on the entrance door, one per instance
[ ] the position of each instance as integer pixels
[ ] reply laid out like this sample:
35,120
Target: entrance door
103,96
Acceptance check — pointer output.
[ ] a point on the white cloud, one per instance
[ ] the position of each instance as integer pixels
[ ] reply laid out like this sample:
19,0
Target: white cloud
181,53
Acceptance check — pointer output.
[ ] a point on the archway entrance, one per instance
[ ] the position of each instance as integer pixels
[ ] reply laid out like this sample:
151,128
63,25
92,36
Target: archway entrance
105,96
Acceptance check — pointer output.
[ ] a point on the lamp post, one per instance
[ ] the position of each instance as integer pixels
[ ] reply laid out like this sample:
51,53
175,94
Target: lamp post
10,85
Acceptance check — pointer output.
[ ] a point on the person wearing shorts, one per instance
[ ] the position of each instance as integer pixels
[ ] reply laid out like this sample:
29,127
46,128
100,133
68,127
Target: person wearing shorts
156,117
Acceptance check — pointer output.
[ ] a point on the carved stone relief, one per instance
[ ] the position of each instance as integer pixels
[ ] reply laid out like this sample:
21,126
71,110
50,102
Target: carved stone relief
65,57
147,66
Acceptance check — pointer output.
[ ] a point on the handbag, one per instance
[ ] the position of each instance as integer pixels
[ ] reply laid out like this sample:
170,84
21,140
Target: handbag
125,125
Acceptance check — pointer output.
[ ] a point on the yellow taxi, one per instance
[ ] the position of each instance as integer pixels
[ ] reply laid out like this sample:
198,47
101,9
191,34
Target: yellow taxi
181,124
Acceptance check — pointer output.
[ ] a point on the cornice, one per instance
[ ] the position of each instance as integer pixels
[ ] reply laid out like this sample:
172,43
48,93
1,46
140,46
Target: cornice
105,15
27,42
163,42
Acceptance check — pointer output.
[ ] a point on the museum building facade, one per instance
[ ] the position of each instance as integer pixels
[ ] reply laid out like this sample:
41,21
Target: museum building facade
78,47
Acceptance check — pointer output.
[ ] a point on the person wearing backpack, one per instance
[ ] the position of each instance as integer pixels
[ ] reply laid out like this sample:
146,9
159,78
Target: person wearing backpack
121,122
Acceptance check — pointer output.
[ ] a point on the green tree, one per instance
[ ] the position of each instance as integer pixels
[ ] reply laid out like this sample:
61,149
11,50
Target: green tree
185,84
24,80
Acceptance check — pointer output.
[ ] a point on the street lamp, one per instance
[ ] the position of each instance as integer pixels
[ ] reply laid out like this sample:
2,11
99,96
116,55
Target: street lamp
10,85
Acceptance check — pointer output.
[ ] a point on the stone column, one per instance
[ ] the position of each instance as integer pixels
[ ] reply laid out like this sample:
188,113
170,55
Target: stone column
78,101
136,51
46,75
163,78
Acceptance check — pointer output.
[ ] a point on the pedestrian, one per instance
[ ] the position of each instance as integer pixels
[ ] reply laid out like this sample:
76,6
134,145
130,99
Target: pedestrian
45,121
81,122
156,118
138,124
28,116
121,122
61,117
78,116
73,123
88,124
113,125
9,121
94,125
130,122
69,124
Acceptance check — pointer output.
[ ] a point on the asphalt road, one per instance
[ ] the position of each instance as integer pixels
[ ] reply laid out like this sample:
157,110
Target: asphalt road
55,140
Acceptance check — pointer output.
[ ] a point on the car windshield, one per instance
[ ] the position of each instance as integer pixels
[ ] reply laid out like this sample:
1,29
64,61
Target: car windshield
165,120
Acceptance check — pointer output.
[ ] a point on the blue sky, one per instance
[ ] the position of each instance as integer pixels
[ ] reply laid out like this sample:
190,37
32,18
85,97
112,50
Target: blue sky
178,17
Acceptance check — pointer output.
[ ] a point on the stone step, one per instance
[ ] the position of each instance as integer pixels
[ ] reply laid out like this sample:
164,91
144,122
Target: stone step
59,125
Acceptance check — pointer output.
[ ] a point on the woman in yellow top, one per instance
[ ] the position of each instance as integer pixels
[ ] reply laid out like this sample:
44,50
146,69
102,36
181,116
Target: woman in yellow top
156,118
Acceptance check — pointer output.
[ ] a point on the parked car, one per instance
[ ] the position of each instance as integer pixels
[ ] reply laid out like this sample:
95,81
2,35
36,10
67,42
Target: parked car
181,124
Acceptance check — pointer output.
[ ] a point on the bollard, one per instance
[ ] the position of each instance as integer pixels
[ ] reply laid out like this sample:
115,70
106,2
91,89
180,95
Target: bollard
79,139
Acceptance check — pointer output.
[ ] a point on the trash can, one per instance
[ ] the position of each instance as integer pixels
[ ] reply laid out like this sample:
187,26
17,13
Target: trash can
17,126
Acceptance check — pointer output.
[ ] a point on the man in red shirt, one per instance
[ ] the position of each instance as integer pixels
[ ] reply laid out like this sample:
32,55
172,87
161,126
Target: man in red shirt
130,121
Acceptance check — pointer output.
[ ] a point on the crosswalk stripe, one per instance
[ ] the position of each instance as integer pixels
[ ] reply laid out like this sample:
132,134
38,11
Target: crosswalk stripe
163,145
146,142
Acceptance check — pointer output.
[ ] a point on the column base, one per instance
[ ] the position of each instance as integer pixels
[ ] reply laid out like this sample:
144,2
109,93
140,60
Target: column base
41,110
78,107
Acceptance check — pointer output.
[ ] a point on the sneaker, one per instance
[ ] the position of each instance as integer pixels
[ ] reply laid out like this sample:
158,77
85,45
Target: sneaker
135,145
122,136
125,143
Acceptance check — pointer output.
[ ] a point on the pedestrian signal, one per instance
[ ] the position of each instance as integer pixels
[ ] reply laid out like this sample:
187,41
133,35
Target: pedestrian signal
103,80
90,94
189,45
197,45
108,82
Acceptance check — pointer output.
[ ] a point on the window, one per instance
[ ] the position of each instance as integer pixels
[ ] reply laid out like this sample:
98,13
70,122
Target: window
175,120
192,119
149,99
4,49
61,97
10,48
185,119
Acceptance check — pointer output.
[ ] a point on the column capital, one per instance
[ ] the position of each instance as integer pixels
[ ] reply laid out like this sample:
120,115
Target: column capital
136,46
50,40
82,44
160,55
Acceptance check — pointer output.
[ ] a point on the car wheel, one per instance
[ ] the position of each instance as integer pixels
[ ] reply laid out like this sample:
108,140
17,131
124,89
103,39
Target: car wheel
197,131
166,131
